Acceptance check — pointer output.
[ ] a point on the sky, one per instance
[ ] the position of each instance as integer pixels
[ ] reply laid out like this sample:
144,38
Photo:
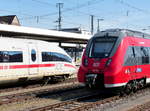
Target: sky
128,14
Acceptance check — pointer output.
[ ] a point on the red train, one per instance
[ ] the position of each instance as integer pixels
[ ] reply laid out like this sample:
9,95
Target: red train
117,59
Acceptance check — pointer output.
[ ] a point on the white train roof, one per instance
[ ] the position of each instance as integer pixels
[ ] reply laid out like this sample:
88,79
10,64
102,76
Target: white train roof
18,43
43,34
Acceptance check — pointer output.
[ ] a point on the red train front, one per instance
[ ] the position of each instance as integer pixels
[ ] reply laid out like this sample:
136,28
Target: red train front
116,58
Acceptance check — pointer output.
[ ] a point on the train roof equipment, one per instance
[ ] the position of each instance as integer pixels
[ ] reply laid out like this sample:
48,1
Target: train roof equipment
121,33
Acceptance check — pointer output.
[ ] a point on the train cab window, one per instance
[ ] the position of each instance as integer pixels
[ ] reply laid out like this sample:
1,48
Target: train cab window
102,47
33,55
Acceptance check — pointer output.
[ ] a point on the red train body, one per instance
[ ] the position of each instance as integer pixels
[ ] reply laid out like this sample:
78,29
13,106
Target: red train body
116,58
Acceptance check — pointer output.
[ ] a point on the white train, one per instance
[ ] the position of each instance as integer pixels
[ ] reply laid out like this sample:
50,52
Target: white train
24,59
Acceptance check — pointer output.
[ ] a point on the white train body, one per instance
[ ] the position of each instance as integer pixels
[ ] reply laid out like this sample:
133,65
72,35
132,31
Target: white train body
22,59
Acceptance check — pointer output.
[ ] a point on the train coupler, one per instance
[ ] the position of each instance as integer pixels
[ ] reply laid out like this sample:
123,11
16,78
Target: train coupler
91,80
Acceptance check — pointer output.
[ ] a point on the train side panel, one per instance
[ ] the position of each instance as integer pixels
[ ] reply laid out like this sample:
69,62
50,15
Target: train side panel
21,60
121,70
15,57
55,67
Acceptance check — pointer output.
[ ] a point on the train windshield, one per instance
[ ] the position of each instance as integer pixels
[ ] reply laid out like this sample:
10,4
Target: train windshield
102,47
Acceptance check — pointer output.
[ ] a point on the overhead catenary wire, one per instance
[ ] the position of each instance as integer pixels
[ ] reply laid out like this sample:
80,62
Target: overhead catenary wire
43,2
133,7
14,12
85,4
39,18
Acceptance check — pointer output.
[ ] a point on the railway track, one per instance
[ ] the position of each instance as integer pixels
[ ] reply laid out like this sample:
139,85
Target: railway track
30,93
74,93
29,85
78,104
73,97
88,102
143,107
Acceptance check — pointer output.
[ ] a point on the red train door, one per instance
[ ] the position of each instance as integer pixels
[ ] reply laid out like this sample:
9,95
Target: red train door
139,53
135,61
131,61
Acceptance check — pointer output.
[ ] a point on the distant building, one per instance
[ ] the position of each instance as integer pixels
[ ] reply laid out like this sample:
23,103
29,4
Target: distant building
10,20
76,30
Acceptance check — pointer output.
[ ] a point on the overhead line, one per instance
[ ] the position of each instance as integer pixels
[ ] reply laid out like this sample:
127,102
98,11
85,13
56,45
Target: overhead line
131,6
41,2
90,2
16,12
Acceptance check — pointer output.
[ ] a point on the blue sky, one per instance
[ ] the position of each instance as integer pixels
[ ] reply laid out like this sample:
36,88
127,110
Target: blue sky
132,14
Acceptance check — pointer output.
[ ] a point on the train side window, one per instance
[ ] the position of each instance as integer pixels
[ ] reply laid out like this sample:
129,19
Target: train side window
33,55
138,55
66,58
149,54
47,56
145,55
11,56
129,59
61,57
15,56
5,56
54,56
1,56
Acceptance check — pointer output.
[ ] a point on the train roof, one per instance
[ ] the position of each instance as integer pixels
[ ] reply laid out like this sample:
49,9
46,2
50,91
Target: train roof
24,40
122,33
41,44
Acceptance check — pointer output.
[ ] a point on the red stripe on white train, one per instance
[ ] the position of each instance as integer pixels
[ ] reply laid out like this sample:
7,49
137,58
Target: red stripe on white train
33,66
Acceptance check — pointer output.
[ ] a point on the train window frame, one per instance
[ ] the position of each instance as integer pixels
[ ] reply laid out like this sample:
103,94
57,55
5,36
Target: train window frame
102,40
33,55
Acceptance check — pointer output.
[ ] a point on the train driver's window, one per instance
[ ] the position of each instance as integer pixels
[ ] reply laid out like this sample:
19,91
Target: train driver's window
33,55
